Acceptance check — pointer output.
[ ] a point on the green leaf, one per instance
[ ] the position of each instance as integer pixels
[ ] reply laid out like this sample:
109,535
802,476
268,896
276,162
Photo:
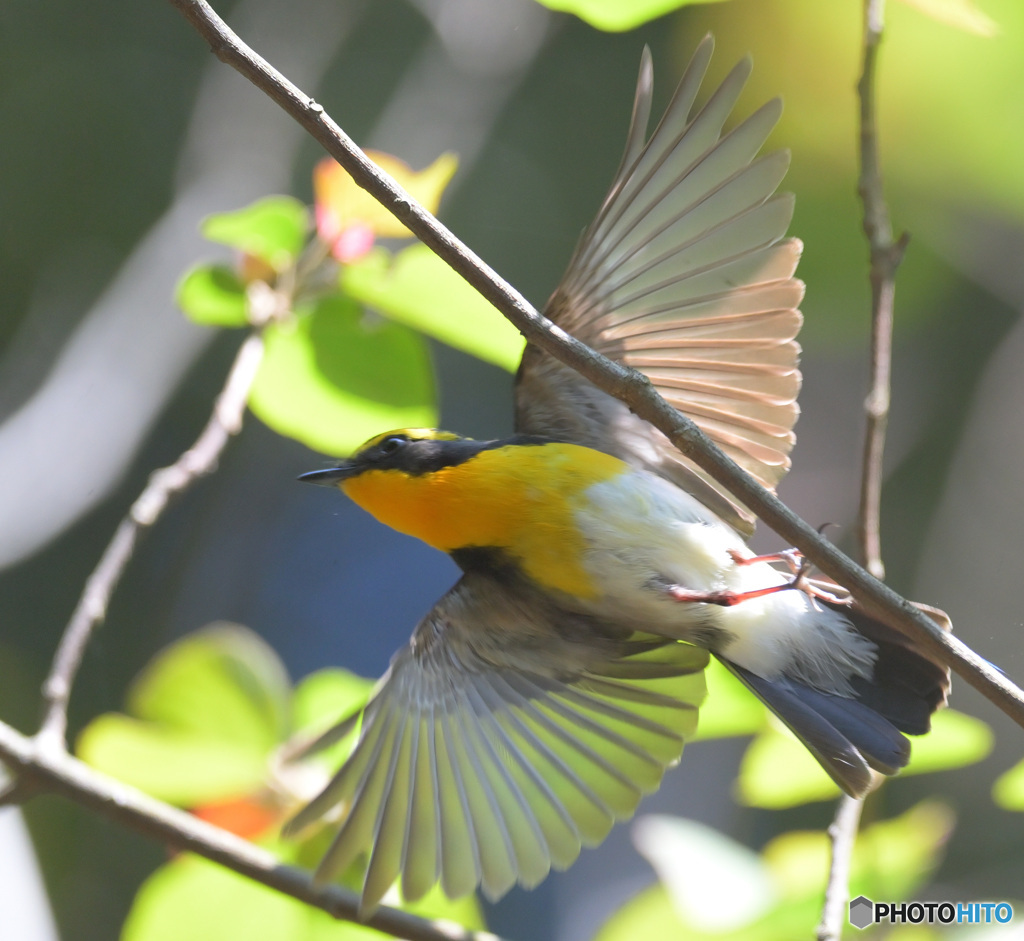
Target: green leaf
418,289
173,765
193,898
325,698
1008,791
273,229
213,295
894,858
618,15
222,682
730,709
962,14
649,914
334,377
777,772
205,713
955,740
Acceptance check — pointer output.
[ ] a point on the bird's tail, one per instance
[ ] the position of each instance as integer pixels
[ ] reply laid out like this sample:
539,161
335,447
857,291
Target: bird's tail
851,735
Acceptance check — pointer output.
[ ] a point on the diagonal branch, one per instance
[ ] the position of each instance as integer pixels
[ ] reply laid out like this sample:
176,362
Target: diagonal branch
626,384
164,484
39,767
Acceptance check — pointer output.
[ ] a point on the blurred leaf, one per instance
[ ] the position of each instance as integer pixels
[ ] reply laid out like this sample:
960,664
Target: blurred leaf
326,696
273,229
421,291
730,709
777,772
618,15
213,295
170,764
894,858
341,204
204,714
891,859
956,739
323,699
649,914
963,14
334,377
1008,791
222,682
716,884
199,900
193,898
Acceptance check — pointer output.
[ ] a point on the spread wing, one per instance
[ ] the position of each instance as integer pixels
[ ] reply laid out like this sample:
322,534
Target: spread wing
503,738
684,275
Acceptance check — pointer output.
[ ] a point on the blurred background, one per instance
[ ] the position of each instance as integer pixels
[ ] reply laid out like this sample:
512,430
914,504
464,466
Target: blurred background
122,132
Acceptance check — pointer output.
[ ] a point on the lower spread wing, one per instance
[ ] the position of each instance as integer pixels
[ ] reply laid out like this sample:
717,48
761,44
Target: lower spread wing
685,275
503,738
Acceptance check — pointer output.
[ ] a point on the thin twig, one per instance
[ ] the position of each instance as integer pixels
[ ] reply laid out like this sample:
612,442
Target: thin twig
625,384
54,770
842,835
886,256
164,484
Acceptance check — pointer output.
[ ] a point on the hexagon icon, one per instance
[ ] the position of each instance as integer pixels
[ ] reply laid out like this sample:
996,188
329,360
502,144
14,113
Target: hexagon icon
862,912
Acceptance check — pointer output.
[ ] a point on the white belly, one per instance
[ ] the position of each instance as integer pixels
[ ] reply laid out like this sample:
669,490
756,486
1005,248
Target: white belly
643,532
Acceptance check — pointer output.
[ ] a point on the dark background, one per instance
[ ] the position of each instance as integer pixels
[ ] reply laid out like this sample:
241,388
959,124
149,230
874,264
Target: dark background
120,132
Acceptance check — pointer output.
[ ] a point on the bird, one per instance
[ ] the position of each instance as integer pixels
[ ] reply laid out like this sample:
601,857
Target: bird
556,682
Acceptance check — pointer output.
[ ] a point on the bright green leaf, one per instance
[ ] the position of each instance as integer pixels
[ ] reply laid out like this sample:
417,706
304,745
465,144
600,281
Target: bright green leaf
894,858
955,740
324,698
335,377
730,709
777,772
273,229
649,914
418,289
223,682
618,15
963,14
1008,791
213,295
173,765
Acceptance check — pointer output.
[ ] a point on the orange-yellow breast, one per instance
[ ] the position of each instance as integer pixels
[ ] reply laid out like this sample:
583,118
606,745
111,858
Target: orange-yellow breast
521,499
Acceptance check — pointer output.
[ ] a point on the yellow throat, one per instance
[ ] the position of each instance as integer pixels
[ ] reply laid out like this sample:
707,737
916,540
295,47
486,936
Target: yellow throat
519,498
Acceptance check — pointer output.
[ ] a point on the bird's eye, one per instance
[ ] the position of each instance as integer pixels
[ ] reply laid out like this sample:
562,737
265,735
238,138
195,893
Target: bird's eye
391,445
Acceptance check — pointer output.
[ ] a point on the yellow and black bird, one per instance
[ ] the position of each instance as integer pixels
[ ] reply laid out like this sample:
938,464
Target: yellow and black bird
550,688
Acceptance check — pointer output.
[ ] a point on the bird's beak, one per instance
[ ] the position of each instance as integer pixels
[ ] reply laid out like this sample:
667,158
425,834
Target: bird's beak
328,476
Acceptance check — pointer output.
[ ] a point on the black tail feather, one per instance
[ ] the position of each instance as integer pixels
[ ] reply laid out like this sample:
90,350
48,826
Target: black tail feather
850,735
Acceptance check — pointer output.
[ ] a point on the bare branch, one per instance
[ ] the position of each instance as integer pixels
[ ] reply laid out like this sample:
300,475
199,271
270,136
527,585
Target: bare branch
886,256
626,384
164,484
52,769
842,835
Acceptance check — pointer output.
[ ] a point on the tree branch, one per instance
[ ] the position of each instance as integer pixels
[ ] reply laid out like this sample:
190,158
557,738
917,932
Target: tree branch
842,835
43,765
164,484
886,256
626,384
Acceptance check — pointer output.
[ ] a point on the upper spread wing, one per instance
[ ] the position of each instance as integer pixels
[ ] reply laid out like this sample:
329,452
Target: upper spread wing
504,737
684,275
